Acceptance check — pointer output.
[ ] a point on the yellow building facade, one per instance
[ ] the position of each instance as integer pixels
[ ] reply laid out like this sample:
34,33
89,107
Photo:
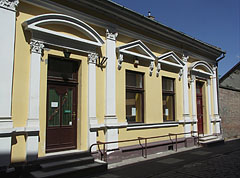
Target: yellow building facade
74,73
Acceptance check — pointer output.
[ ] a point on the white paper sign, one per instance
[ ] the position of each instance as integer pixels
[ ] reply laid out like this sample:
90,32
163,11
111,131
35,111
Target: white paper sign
70,122
166,112
133,111
54,104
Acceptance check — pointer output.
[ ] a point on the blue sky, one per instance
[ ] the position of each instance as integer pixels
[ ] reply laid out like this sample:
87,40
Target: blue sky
216,22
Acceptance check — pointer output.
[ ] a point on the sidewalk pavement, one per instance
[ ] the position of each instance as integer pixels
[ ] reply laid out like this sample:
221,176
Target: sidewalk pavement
220,161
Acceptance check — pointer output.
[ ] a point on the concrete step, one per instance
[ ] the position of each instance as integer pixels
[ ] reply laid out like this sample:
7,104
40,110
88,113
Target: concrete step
66,163
74,171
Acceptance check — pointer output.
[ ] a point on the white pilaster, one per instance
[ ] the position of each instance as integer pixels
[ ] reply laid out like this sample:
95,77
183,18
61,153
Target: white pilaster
7,36
194,107
215,102
110,116
34,100
186,117
209,106
92,119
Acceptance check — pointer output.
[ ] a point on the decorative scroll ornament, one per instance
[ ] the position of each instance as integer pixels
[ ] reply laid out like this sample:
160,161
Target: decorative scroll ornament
92,58
180,74
151,67
158,69
111,36
11,5
120,60
36,46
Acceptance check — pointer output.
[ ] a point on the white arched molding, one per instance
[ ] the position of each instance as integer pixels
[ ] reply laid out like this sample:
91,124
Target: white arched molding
50,37
7,36
203,70
144,53
172,60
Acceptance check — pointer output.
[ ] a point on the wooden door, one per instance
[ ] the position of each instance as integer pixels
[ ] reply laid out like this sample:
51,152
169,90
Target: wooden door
61,117
199,106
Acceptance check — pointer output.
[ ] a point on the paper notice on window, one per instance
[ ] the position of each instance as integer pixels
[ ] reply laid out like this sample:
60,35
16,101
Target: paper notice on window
70,122
54,104
133,111
166,112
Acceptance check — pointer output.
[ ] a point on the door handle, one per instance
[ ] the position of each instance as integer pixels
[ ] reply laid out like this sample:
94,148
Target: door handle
74,115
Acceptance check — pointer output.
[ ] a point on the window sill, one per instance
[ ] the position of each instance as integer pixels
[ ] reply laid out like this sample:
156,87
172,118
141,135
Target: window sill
150,126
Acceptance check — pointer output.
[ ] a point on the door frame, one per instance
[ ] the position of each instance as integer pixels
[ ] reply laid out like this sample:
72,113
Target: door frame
62,82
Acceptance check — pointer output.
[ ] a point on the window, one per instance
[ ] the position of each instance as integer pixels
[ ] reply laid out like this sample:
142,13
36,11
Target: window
134,97
168,99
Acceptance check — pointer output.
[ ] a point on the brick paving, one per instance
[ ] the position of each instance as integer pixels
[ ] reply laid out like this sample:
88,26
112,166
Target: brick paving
221,161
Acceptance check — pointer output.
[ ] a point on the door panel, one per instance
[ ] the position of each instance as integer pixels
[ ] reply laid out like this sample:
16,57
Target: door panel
61,118
199,86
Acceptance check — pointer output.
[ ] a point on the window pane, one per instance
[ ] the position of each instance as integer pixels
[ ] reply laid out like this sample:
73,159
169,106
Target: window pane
134,80
134,107
168,107
67,108
53,108
167,84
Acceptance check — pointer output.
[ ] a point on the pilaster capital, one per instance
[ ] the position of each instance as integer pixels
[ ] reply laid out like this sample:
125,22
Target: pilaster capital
193,78
111,35
36,46
92,58
185,57
208,82
9,4
215,68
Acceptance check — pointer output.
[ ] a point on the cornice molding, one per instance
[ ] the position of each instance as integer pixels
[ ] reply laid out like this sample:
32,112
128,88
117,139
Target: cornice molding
10,5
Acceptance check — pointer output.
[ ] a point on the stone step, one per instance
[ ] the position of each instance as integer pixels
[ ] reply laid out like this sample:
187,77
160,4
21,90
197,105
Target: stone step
212,142
65,156
210,137
74,171
66,163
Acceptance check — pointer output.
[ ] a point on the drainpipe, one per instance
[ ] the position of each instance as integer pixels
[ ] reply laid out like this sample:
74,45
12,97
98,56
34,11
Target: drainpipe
217,60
